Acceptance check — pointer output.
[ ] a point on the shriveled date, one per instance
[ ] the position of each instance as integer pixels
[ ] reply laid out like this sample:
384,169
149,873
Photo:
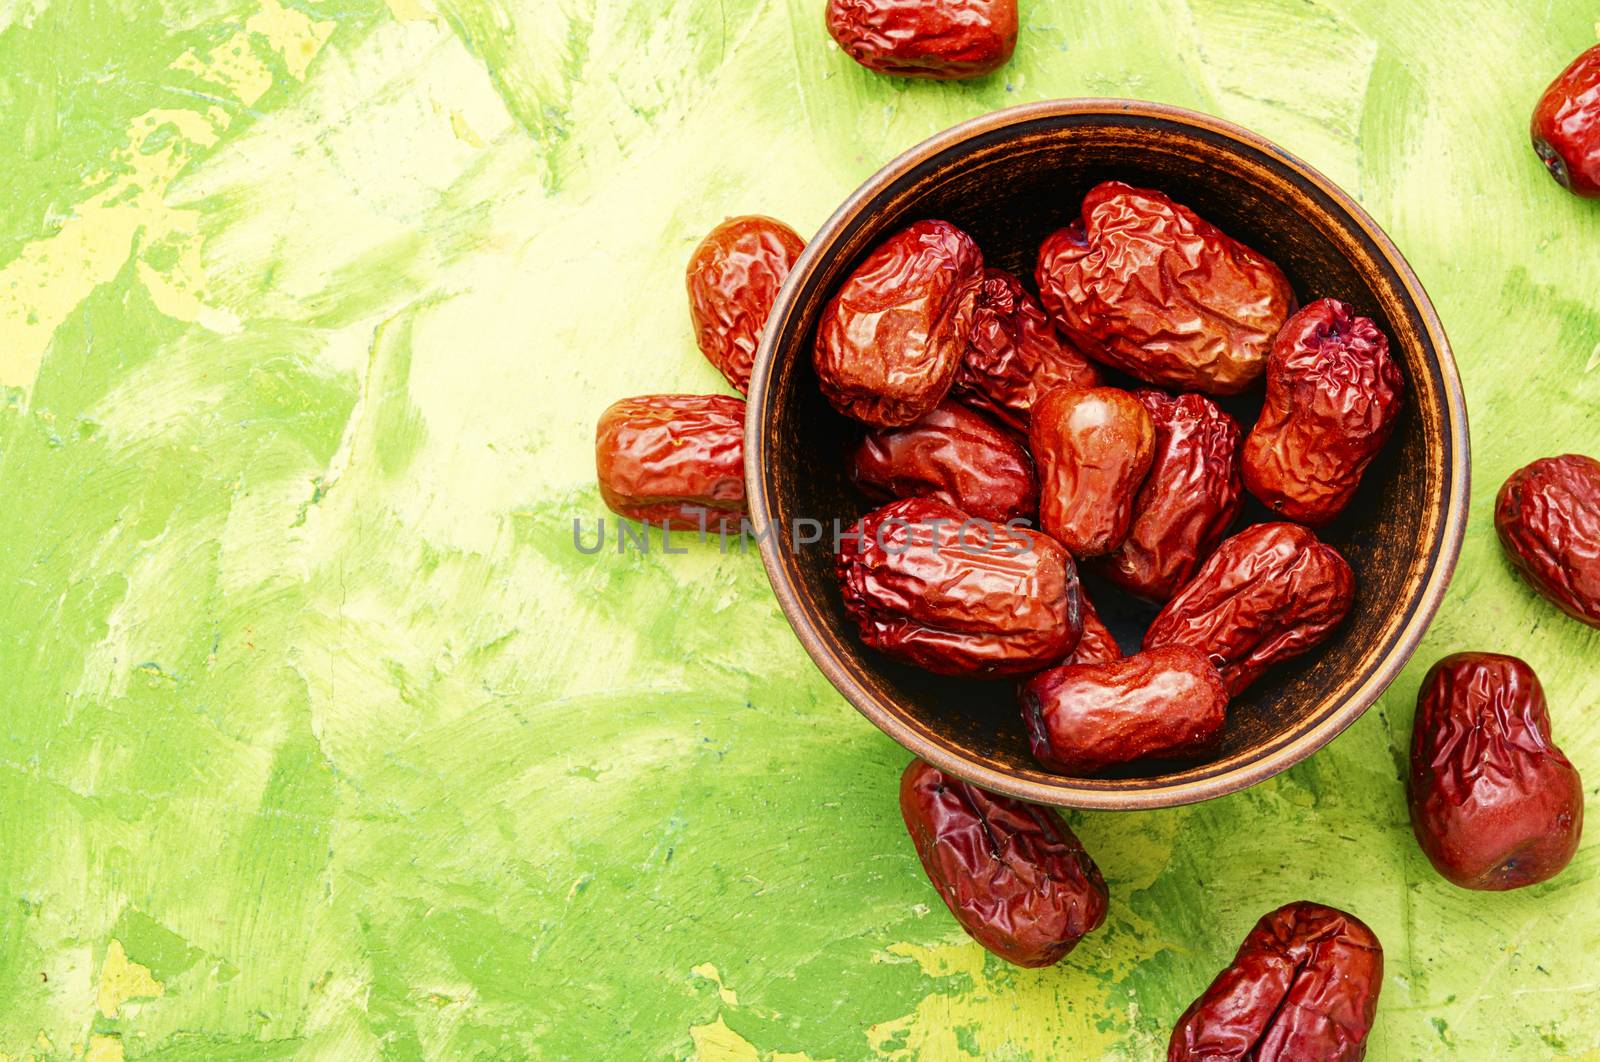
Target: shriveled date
1189,500
891,339
1094,448
1566,126
1083,718
733,278
1494,803
1333,395
1096,645
1013,874
928,585
1304,986
1144,284
1015,355
674,460
1548,518
942,39
954,455
1269,593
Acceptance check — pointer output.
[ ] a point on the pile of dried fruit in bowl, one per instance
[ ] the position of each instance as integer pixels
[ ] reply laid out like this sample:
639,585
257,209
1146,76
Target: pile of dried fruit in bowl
1009,438
986,410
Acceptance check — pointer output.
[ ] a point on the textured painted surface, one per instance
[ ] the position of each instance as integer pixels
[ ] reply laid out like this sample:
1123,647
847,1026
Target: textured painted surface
317,738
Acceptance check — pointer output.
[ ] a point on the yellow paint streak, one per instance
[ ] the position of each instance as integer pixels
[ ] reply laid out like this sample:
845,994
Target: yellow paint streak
54,274
233,67
463,131
715,1042
294,35
1028,1013
1594,360
943,960
104,1049
121,980
718,1043
710,973
412,11
47,281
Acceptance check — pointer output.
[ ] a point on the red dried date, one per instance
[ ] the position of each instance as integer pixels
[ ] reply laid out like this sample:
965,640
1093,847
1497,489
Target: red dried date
1015,356
928,585
1191,497
1548,517
891,339
942,39
674,460
734,277
1269,593
1013,874
1494,803
1083,718
1145,285
1333,394
1304,985
1094,448
1566,126
1096,645
955,456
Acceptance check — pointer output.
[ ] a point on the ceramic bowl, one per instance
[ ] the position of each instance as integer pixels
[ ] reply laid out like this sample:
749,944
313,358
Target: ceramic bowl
1010,178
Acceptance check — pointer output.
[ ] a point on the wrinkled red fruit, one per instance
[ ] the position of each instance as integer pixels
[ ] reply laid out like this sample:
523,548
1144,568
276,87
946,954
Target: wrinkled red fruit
1191,497
1145,285
1083,718
1548,518
1494,803
1303,988
676,460
925,586
1333,395
1093,450
953,455
734,277
1096,645
942,39
1269,593
891,339
1013,874
1566,126
1015,356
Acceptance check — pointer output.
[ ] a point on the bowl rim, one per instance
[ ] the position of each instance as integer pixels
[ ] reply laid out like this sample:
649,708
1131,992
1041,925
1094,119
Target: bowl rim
1067,792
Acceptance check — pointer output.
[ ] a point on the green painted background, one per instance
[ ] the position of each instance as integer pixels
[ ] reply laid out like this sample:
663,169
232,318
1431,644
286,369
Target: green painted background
317,739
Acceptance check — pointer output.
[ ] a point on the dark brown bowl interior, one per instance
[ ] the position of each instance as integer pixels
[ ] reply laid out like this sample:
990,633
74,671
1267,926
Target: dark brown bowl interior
1009,179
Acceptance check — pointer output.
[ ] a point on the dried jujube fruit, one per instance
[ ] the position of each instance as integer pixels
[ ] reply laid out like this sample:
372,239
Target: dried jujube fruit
892,337
1096,645
1269,593
941,39
1566,126
1015,355
1083,718
1188,502
1548,519
1333,395
733,279
1144,284
1303,988
1093,449
954,455
932,586
1012,873
674,460
1494,803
